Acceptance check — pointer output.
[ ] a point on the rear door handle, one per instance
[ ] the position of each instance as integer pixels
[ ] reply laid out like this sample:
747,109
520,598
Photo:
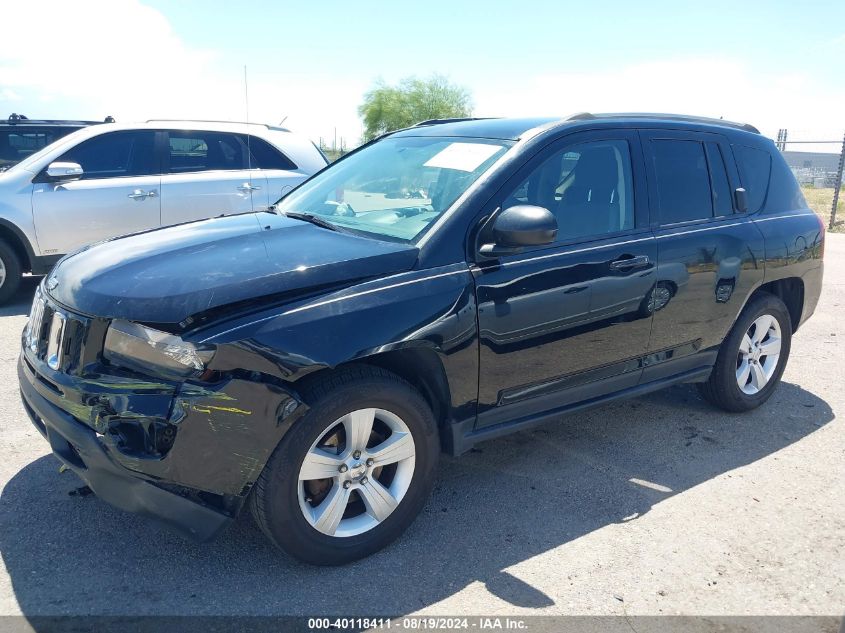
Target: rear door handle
630,262
140,194
247,187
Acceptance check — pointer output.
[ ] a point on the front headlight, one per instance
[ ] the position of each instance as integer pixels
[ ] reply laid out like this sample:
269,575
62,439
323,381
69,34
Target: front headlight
137,347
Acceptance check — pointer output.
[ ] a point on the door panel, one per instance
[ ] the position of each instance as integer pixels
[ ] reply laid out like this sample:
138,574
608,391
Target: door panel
118,193
548,326
571,320
196,196
709,262
73,214
706,272
206,174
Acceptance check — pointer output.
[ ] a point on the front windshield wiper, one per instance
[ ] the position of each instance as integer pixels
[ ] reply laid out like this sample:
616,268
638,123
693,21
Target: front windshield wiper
309,217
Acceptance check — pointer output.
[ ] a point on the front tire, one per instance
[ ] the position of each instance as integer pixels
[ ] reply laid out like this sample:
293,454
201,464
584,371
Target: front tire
10,272
353,474
752,357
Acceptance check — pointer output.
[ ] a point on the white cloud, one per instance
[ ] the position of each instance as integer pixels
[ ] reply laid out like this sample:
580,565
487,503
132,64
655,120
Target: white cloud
121,58
9,95
706,87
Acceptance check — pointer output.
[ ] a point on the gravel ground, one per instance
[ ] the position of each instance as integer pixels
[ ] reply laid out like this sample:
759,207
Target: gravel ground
659,505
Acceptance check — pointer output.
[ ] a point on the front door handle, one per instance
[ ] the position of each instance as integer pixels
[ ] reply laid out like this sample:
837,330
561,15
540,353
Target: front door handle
629,262
140,194
247,187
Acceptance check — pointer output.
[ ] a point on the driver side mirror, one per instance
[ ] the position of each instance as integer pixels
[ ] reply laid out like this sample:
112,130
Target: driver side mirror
64,171
520,226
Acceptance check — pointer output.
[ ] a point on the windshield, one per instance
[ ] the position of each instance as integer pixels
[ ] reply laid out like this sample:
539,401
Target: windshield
397,187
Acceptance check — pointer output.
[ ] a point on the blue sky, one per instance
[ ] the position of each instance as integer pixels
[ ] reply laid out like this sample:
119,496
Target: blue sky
775,64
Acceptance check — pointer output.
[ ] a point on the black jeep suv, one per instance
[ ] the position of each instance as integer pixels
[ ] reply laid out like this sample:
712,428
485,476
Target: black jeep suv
313,361
21,136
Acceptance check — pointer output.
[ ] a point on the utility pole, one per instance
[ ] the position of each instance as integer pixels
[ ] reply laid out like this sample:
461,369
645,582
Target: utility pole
837,185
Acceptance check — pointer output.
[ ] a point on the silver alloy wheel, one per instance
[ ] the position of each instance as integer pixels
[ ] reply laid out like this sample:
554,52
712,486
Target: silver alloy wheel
758,355
2,273
357,472
660,296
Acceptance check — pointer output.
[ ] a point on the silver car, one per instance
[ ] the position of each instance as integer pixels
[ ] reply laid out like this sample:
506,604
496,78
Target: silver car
114,179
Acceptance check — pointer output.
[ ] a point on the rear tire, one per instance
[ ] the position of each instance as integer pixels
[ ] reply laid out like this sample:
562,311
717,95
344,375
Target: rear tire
10,272
324,461
752,357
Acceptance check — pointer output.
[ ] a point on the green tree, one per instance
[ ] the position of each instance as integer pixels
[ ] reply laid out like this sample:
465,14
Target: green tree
387,108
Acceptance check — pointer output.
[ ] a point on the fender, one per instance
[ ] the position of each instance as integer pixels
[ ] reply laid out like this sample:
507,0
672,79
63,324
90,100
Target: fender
431,311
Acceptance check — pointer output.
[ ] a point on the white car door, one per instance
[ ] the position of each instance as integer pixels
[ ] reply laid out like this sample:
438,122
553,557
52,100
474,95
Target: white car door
279,173
118,193
206,174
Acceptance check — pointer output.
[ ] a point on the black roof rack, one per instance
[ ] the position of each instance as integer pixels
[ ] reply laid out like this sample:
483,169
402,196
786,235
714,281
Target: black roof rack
454,120
18,119
586,116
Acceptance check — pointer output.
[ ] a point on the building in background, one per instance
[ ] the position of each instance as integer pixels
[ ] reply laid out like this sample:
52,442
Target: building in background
813,168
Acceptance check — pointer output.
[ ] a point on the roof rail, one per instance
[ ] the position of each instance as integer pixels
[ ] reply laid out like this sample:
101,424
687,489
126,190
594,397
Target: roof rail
580,116
14,119
452,120
269,127
585,116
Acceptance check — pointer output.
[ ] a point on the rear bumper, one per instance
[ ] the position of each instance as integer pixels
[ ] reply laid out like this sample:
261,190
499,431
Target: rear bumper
79,447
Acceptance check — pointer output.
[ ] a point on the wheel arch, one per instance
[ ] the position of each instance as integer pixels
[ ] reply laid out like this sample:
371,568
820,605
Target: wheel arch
13,236
420,366
790,290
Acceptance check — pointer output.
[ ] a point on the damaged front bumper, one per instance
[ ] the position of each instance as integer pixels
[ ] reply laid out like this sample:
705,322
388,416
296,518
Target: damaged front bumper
185,454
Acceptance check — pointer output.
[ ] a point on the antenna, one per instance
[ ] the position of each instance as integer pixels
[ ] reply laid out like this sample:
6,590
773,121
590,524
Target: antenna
246,103
282,122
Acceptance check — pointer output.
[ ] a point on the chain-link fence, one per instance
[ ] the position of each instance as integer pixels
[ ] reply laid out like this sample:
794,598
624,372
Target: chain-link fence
817,163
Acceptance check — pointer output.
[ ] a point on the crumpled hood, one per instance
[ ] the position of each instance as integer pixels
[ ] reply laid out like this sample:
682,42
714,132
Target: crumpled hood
166,275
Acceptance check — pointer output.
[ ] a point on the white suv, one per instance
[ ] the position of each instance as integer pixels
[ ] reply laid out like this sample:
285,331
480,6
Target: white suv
113,179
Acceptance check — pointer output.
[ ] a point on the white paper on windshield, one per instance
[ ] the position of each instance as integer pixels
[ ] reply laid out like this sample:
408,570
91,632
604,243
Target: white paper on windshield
462,156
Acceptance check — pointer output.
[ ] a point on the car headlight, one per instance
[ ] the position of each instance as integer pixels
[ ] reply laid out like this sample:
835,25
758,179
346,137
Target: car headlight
137,347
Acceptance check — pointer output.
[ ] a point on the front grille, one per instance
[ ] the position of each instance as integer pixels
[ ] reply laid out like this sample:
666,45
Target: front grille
56,336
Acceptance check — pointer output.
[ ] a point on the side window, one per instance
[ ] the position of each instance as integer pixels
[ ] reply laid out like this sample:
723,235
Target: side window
683,182
588,187
722,199
265,156
115,155
755,166
204,151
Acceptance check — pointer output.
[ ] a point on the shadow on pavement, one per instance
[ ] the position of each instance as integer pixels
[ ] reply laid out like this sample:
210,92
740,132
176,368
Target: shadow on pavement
501,504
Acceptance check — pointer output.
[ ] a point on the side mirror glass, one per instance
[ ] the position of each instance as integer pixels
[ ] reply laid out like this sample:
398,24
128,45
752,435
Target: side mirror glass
741,200
520,226
64,171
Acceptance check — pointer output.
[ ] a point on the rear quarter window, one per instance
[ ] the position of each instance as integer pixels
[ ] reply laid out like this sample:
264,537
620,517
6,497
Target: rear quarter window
265,156
784,191
755,167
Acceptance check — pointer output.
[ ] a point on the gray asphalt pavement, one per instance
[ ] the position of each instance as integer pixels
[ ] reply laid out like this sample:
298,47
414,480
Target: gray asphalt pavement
660,505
